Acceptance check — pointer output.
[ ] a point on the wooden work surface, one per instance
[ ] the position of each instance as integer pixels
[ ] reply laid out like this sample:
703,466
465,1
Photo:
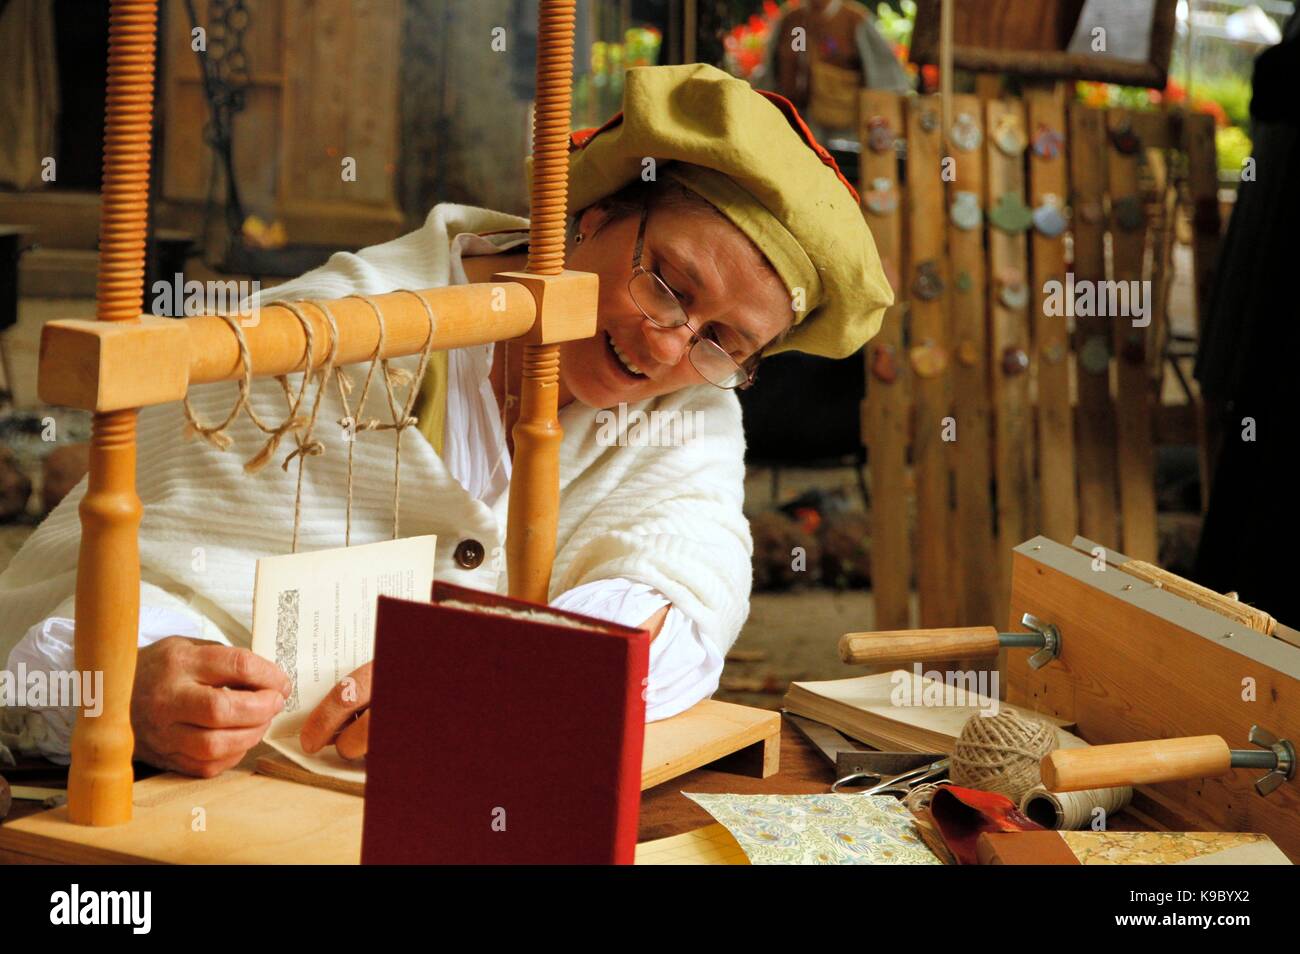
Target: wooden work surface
242,817
664,810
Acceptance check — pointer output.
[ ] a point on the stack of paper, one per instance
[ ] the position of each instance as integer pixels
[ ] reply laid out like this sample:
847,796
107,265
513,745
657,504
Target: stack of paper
897,711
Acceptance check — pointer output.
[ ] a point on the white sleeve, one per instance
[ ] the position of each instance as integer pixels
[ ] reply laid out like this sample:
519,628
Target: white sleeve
684,666
48,647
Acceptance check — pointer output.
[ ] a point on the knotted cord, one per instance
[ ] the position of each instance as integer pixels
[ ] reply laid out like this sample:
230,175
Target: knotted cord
302,426
308,446
216,434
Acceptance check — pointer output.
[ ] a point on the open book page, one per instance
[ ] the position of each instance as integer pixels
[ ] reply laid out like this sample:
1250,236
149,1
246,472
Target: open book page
314,615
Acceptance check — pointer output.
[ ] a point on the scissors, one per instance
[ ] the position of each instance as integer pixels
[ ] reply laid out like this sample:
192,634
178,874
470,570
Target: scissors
900,784
884,773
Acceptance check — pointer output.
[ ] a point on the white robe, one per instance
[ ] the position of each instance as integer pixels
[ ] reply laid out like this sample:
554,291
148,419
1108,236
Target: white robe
666,516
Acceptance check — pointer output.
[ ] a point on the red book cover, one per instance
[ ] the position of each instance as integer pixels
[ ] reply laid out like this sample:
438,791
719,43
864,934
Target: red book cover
496,739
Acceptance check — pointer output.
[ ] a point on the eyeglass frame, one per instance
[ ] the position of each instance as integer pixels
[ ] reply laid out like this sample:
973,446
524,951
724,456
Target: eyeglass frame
696,338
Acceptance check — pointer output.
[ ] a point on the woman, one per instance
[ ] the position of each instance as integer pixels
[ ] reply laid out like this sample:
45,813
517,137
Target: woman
720,233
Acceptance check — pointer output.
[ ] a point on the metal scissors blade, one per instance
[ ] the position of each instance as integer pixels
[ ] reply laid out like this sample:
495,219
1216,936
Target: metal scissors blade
899,784
891,770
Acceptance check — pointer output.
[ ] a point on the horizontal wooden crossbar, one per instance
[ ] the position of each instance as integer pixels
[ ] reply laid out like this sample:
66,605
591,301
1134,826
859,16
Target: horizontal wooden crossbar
109,366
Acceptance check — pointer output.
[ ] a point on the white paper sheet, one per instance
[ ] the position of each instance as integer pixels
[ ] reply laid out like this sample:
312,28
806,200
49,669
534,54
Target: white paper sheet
314,615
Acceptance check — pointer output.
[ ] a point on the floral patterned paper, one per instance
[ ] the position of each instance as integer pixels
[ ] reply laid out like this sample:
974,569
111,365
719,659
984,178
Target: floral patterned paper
820,829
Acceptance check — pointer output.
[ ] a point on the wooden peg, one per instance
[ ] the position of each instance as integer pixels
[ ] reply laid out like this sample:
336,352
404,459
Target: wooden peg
1136,763
897,647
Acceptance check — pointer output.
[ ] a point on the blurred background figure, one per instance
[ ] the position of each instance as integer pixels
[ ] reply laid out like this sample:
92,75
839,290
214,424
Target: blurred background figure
1248,345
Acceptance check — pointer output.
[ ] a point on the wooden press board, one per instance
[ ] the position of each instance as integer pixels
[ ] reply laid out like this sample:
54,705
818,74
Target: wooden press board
1139,663
249,818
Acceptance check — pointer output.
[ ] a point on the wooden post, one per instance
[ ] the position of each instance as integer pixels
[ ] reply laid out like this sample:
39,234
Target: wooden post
885,411
1009,340
1203,184
1137,492
930,361
1056,468
1095,450
535,478
974,551
108,570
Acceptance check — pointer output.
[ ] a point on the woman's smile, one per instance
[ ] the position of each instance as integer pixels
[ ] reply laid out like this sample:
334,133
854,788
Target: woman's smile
624,362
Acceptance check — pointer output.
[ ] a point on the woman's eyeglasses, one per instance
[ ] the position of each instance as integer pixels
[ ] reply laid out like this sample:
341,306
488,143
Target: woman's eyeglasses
660,304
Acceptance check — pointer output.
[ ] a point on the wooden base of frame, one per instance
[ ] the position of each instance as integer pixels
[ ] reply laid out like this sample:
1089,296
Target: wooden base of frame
245,818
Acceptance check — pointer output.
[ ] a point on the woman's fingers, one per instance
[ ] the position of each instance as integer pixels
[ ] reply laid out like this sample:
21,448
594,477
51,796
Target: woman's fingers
355,739
336,710
202,746
198,707
196,767
237,668
210,708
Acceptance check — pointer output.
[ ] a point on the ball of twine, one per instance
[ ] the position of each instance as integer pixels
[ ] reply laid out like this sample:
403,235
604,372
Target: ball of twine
1001,753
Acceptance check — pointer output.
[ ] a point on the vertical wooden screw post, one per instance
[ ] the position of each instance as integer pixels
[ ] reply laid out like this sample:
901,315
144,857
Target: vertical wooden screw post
535,478
108,570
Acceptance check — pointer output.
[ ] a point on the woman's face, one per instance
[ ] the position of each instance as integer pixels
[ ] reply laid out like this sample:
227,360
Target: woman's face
730,294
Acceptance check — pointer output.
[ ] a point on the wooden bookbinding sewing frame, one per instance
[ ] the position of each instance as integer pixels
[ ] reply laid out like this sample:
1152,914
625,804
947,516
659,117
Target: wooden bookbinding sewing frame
125,360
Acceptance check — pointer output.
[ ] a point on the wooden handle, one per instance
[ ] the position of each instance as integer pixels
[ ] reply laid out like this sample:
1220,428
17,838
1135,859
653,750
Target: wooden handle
1136,763
892,647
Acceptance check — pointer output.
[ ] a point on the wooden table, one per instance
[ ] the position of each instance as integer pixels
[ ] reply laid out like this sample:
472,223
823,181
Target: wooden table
328,835
665,811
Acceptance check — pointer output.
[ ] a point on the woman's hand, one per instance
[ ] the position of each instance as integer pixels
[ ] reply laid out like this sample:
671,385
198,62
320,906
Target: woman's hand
343,717
198,706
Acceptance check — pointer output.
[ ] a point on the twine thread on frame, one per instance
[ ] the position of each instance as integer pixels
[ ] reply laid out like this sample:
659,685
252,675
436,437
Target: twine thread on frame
294,421
348,422
402,418
216,434
406,419
302,426
1001,753
308,446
